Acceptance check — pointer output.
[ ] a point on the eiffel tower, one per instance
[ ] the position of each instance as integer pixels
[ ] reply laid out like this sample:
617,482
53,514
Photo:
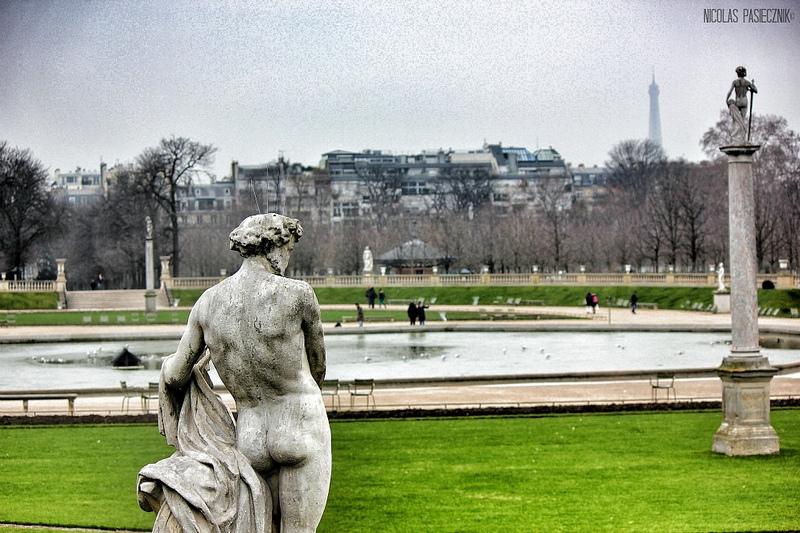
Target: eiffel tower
655,115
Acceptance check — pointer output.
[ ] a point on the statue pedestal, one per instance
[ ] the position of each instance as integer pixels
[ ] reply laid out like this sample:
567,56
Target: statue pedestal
722,302
150,301
745,429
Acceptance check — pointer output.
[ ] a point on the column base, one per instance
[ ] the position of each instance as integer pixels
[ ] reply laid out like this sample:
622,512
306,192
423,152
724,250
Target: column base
150,301
746,428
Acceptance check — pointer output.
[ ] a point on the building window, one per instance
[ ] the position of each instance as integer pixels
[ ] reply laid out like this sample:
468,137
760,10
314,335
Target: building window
501,197
415,188
345,209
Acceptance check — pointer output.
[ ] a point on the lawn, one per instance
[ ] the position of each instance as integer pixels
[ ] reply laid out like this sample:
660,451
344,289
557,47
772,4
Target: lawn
617,472
569,296
180,316
28,300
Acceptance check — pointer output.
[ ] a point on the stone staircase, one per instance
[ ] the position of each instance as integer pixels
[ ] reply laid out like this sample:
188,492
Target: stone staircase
124,299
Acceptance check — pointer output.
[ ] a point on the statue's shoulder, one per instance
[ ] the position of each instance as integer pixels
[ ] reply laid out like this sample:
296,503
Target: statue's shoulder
298,285
223,287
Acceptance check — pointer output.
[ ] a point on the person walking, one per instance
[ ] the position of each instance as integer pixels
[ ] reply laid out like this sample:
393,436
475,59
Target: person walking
381,299
412,313
595,303
634,302
588,302
359,316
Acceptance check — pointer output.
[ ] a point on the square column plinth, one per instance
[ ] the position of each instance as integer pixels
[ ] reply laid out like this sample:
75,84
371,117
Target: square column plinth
722,302
150,301
746,429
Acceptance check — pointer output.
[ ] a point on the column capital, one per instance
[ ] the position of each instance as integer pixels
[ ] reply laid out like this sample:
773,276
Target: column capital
740,150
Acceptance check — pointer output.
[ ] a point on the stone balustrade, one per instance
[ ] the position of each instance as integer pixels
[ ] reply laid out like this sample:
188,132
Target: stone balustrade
782,281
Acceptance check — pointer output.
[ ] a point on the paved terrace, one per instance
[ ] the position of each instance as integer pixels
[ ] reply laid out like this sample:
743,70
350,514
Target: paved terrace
512,392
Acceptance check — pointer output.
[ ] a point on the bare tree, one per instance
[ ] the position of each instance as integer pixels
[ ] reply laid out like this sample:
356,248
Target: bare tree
554,205
776,164
633,165
29,212
164,169
384,188
463,186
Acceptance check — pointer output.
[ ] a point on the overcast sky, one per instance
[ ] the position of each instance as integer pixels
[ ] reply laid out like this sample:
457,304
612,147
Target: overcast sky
84,80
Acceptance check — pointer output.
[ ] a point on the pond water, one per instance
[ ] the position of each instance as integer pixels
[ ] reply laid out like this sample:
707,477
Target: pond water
77,365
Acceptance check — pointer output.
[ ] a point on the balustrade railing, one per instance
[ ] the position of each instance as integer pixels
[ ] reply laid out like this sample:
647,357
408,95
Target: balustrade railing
31,286
194,283
452,280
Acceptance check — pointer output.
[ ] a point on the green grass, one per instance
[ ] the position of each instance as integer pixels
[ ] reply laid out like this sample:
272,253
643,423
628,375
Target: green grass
664,297
77,318
784,299
28,300
180,316
31,530
567,296
618,472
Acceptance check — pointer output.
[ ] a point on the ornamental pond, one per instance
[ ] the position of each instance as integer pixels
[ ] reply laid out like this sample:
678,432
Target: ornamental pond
401,355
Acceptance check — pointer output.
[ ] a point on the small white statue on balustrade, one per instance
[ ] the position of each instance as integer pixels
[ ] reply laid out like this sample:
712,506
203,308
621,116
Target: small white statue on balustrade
367,257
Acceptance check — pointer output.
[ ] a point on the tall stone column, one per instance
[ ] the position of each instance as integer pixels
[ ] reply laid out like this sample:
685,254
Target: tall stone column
745,373
149,271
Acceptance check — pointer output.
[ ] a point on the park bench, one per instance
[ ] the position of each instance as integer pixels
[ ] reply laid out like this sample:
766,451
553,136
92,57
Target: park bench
8,320
647,305
44,396
664,382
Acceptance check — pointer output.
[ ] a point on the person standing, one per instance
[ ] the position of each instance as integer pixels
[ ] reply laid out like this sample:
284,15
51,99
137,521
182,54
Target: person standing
381,299
588,302
595,303
360,315
421,313
634,302
370,294
412,313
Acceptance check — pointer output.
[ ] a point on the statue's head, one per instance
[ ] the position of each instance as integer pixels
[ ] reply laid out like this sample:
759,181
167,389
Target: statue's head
264,234
741,72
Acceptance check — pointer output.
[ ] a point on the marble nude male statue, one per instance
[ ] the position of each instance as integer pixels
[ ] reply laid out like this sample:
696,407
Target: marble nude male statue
738,107
263,333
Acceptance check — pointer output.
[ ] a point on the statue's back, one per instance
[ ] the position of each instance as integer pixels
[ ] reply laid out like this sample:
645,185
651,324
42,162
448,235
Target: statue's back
252,324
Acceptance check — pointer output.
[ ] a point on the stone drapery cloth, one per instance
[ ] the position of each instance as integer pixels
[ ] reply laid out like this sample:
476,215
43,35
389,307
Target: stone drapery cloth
207,485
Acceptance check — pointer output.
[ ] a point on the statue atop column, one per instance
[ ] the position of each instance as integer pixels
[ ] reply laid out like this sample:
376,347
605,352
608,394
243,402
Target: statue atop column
738,107
270,471
367,257
148,223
